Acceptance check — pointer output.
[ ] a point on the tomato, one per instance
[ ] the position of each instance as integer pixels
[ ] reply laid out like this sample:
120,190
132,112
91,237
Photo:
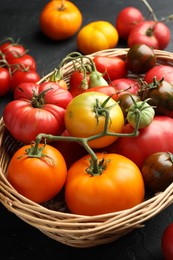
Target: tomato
108,90
140,58
118,186
152,33
84,117
125,85
157,171
157,137
125,101
126,20
60,20
160,94
12,49
111,67
71,151
105,37
4,81
22,62
21,76
38,109
37,178
167,242
78,83
160,71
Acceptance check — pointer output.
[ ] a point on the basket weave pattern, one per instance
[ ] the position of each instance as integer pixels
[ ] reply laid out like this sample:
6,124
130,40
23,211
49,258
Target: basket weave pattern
70,229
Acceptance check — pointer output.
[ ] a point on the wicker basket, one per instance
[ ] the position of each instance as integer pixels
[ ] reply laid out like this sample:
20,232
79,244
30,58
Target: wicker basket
70,229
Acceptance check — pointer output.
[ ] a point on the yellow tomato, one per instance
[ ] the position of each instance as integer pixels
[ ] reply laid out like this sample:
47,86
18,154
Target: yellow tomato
97,36
60,19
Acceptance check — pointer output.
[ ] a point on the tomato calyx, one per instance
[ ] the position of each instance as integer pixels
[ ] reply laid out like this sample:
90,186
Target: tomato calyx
38,100
37,152
102,164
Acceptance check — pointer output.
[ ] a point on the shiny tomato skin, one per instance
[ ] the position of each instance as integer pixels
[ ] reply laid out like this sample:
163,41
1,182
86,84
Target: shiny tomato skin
154,34
19,77
60,20
167,242
140,58
25,61
125,85
126,20
4,81
108,90
160,71
105,37
38,179
81,120
111,67
12,50
154,138
77,85
119,187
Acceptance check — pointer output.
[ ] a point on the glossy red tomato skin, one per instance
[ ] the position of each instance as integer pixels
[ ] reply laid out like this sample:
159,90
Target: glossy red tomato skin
22,62
76,84
154,138
125,85
108,90
167,242
111,67
23,76
12,50
155,35
4,81
160,71
127,19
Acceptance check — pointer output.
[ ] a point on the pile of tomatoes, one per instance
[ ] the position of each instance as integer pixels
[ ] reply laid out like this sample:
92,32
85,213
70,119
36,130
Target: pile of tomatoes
16,66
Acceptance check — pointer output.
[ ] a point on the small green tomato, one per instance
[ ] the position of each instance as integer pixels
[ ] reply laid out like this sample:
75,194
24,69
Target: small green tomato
140,113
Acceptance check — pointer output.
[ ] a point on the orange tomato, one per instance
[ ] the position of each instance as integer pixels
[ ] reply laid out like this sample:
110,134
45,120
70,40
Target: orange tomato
38,179
60,19
118,187
97,36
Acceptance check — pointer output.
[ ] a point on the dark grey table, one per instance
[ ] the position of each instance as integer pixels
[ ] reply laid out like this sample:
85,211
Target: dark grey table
18,240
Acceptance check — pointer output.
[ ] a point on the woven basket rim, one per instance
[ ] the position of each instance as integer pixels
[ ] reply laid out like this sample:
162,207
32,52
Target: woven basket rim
78,230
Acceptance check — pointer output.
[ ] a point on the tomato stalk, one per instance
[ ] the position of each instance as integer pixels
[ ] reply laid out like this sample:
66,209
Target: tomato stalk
38,100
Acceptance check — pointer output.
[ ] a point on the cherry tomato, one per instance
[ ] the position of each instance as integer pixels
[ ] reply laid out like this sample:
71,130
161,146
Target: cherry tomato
157,171
12,50
118,186
38,179
105,37
25,61
60,20
160,71
78,83
167,242
127,20
4,81
111,67
157,137
83,117
22,76
140,58
154,34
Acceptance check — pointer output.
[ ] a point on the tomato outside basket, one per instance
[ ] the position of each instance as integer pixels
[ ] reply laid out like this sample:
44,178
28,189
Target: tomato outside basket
67,228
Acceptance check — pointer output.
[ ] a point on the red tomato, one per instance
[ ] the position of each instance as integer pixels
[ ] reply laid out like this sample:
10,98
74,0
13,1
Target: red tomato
37,178
111,67
77,83
4,81
19,77
117,186
160,71
157,137
154,34
125,85
12,49
167,242
25,61
44,112
127,20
